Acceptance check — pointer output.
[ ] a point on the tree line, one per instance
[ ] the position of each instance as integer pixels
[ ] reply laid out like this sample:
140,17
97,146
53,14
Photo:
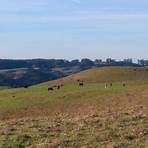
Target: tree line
52,63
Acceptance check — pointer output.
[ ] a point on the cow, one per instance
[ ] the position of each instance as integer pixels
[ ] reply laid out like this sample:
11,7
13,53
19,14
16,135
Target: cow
81,84
111,84
58,87
54,85
26,86
62,85
78,80
106,85
123,84
50,89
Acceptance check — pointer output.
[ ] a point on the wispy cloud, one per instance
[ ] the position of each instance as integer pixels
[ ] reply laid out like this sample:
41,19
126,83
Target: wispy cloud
76,1
74,17
100,16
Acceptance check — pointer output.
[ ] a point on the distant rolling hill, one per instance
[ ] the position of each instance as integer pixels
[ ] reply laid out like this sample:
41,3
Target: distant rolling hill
108,74
21,77
20,73
26,77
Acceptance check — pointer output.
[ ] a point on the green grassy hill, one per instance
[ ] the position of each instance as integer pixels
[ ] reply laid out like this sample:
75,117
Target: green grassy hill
108,74
74,116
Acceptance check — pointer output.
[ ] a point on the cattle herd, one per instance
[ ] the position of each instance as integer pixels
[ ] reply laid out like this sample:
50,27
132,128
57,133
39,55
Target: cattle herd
80,83
58,87
111,84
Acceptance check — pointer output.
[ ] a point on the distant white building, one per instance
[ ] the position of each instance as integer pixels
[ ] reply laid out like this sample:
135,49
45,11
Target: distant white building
143,62
128,61
98,61
110,61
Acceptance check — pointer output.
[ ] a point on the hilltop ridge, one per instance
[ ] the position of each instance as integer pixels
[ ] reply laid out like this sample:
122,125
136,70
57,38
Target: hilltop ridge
107,74
20,73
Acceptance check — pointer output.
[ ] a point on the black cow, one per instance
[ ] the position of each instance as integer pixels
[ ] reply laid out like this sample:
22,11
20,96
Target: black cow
50,89
26,86
58,87
124,84
81,84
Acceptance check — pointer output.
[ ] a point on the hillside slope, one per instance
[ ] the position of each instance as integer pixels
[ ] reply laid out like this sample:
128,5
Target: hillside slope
107,74
26,77
74,116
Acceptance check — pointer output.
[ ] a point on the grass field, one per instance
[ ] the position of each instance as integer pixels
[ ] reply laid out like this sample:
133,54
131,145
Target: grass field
74,116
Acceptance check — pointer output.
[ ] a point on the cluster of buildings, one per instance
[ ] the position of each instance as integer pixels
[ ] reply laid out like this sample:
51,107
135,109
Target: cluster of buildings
110,61
143,62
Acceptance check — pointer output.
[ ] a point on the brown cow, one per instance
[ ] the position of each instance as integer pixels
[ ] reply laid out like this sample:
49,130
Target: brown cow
62,85
54,85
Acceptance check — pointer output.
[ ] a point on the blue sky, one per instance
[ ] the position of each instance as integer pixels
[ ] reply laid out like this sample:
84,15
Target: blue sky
72,29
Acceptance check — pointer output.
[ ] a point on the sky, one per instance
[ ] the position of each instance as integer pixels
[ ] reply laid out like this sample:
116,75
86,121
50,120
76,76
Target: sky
74,29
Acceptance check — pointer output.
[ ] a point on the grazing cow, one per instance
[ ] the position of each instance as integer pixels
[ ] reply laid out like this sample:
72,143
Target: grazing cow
26,86
50,89
111,84
58,87
123,84
81,84
106,85
62,85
